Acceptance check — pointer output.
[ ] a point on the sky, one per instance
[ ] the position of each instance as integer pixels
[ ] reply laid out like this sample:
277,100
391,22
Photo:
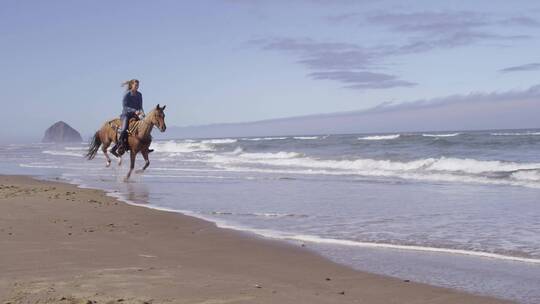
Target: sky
227,61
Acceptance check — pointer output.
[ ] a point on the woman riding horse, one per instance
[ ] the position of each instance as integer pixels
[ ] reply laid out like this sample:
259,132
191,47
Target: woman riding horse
132,107
139,140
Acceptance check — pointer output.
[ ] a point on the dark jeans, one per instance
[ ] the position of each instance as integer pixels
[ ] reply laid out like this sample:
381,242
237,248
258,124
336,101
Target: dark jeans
125,121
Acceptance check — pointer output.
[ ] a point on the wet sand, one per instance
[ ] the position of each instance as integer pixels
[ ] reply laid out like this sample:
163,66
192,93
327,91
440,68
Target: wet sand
62,244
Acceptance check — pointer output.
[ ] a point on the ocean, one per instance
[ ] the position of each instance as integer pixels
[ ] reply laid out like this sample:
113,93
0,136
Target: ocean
455,209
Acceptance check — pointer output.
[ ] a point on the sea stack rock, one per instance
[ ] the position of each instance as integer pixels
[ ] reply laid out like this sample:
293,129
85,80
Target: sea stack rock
61,132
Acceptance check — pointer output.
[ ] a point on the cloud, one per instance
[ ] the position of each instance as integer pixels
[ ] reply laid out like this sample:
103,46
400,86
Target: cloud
429,22
420,32
363,79
530,94
304,45
535,66
449,40
343,62
342,18
428,30
322,55
521,21
444,29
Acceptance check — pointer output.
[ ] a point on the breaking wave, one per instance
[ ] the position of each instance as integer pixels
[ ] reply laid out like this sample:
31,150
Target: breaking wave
380,137
527,175
306,137
278,155
264,138
516,134
185,146
219,141
429,169
441,135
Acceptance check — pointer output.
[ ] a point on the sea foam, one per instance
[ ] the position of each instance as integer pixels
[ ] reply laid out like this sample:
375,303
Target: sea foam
185,146
62,153
306,137
380,137
429,169
516,134
219,141
264,138
441,135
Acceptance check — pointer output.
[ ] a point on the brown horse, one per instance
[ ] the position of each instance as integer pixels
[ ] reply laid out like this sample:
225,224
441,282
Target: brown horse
139,140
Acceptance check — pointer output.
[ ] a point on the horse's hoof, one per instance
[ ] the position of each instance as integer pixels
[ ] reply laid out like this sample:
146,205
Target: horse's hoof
139,171
108,164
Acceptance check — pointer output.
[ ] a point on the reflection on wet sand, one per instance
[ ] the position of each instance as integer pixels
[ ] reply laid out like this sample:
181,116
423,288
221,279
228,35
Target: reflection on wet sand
136,193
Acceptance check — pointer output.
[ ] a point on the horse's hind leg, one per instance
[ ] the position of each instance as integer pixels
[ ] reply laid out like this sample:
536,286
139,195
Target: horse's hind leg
104,148
147,162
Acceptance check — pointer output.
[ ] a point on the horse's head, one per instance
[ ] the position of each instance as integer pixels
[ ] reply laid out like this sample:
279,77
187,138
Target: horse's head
157,117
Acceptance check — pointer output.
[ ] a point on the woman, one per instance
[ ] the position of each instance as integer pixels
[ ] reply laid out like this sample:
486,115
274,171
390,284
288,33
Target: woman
132,107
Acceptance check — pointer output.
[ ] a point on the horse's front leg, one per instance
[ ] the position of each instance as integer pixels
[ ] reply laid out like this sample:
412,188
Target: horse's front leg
147,162
132,155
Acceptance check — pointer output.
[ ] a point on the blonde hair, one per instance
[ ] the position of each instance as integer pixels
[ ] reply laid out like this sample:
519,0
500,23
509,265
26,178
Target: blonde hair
129,83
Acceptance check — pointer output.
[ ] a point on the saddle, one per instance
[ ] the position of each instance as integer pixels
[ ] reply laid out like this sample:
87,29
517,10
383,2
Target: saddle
133,125
133,129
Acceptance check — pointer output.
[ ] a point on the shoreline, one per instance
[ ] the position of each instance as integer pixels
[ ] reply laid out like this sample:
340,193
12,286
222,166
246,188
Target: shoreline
64,242
302,239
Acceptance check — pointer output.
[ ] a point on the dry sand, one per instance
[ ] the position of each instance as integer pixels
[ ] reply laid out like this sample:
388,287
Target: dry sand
62,244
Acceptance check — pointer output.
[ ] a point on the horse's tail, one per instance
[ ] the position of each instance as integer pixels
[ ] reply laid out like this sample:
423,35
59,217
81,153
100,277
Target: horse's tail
94,146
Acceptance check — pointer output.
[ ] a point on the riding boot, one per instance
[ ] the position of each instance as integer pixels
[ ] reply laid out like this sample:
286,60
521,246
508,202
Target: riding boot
123,143
114,148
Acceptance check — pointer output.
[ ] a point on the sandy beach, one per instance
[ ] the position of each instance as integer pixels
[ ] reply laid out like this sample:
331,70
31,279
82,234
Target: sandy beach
62,244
